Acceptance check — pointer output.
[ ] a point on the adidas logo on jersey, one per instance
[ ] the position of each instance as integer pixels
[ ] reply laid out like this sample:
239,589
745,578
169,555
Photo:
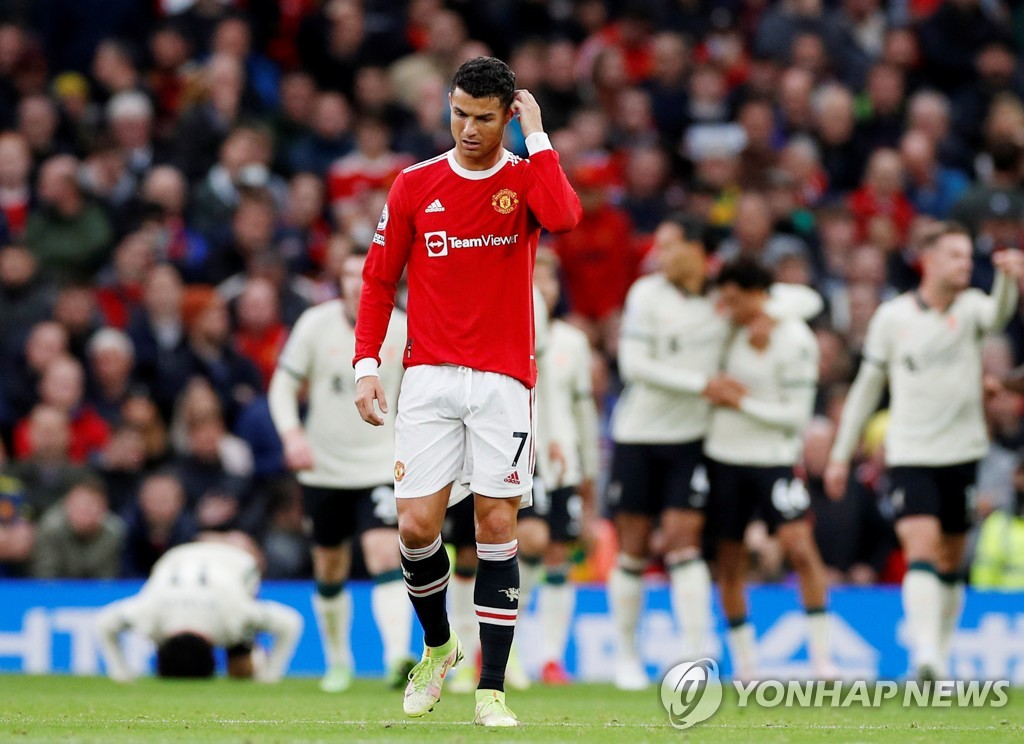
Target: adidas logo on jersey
512,478
435,206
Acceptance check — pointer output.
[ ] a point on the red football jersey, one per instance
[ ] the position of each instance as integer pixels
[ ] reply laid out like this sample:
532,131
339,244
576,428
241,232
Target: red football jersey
469,239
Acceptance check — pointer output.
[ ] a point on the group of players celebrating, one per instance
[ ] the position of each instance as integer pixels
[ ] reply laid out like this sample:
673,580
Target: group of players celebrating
720,371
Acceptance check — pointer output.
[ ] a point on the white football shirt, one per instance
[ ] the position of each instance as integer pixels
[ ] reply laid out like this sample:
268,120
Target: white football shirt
347,452
781,380
672,342
932,361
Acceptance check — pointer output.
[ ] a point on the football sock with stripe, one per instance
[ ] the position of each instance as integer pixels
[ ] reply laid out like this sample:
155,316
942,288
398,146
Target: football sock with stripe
426,573
497,605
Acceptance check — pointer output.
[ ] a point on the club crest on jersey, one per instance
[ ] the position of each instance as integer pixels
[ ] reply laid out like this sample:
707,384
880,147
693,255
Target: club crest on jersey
505,201
399,471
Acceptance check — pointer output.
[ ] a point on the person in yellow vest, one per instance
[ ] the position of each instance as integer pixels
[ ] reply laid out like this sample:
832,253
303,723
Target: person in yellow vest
999,555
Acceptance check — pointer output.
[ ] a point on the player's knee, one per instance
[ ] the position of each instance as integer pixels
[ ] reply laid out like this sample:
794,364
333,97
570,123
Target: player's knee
417,530
495,527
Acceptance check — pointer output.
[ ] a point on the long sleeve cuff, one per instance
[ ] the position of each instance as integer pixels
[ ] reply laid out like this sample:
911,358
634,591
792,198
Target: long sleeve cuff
538,142
366,367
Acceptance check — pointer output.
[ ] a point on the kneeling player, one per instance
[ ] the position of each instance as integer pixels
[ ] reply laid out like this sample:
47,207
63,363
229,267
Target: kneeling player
199,596
753,442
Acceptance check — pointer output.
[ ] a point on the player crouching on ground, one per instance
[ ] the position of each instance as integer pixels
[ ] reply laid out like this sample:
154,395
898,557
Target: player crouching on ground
199,596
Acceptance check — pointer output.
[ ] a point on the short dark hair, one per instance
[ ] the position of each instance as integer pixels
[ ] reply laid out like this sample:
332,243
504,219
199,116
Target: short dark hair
746,273
486,77
693,229
185,656
940,230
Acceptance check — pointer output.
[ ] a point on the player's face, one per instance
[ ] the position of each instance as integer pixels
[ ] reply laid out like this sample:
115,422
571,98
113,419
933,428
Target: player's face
478,125
679,258
741,306
950,261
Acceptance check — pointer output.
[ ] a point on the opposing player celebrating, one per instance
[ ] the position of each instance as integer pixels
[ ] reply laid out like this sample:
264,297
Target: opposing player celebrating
672,343
465,224
754,441
199,596
927,344
345,472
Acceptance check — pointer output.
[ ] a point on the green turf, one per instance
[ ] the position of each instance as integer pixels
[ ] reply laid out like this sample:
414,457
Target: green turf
70,709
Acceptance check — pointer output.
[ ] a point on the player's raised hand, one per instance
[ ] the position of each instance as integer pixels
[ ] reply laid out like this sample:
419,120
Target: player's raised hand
1010,261
836,476
298,455
525,106
369,390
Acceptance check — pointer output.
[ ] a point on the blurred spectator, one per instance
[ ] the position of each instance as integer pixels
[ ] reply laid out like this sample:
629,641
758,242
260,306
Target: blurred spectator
164,196
647,177
928,111
162,360
121,466
70,236
559,96
932,188
115,69
598,258
156,523
327,137
26,298
446,33
75,309
203,127
62,386
754,234
882,196
17,534
235,379
15,183
214,467
334,42
757,118
260,334
842,153
171,52
130,118
372,166
26,362
881,121
119,290
853,537
38,121
79,538
48,472
111,364
290,123
140,413
305,231
233,38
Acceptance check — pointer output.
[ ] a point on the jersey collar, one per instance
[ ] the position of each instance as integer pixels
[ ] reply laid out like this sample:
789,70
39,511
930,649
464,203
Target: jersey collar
473,175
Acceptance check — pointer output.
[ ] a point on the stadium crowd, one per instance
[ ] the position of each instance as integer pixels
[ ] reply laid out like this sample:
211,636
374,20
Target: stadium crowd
180,179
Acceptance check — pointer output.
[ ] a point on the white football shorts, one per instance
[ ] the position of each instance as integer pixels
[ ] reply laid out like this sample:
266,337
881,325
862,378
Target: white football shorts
461,425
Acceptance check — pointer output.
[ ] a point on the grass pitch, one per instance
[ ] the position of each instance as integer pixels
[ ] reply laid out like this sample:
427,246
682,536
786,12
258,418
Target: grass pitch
75,709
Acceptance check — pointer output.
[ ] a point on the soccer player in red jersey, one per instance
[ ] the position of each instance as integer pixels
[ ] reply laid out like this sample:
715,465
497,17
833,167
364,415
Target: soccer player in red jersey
464,225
